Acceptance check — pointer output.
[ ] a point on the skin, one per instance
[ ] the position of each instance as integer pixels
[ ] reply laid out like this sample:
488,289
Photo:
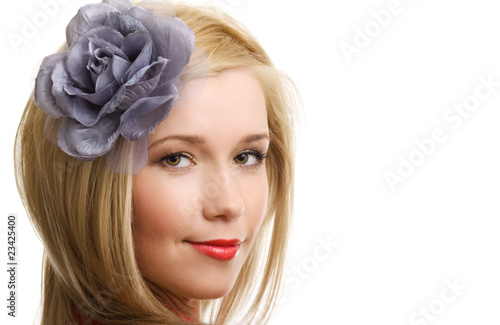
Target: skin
200,197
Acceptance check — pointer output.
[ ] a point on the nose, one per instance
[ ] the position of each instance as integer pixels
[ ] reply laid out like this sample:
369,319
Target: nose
223,199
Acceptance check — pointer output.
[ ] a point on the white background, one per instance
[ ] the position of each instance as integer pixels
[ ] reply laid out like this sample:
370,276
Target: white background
394,250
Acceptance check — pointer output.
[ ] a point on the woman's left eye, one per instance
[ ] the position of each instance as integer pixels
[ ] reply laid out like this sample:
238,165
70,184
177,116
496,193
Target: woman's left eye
252,158
243,158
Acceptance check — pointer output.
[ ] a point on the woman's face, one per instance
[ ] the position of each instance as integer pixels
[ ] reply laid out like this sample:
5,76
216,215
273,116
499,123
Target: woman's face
205,181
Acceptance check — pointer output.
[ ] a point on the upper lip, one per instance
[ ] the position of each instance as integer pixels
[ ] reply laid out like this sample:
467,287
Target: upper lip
218,242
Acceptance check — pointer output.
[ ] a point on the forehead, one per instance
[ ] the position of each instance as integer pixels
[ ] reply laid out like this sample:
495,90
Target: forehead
229,104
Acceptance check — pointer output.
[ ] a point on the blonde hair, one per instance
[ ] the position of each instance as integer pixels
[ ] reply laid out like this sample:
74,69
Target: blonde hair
83,211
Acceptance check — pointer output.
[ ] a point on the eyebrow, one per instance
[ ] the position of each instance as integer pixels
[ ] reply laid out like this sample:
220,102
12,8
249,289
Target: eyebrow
199,140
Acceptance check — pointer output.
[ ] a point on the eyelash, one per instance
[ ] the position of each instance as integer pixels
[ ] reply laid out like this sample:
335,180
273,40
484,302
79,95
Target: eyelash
259,154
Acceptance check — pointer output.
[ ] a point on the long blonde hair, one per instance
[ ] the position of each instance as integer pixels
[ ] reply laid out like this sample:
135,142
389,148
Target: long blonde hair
83,211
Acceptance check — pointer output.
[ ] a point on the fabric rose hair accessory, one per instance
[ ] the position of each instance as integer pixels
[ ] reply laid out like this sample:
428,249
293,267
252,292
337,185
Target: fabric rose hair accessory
117,78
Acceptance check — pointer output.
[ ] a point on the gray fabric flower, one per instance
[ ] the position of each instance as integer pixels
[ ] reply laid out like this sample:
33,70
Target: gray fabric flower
116,78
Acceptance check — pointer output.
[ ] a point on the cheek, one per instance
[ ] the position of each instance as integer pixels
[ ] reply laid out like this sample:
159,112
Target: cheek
256,202
150,203
158,203
158,218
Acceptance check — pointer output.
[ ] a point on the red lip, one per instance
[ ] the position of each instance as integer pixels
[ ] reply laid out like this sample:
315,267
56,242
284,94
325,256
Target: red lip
222,249
218,242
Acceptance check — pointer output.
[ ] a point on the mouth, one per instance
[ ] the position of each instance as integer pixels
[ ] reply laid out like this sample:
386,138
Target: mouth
221,249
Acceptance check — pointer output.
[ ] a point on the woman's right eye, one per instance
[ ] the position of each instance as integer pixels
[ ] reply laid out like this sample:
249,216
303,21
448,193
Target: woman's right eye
176,160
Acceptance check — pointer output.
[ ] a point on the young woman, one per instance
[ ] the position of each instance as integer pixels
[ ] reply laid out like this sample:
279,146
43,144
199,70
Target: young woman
159,175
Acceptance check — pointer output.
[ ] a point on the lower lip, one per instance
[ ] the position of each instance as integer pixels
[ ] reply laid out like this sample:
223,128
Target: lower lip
224,253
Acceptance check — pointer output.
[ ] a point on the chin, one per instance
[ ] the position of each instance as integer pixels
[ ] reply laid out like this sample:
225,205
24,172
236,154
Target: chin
211,289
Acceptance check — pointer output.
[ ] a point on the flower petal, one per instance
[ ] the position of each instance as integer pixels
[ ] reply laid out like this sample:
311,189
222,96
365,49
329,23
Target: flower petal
119,66
78,57
121,5
72,106
87,143
104,80
104,46
87,18
142,117
99,98
142,84
60,79
125,24
107,34
138,47
180,44
151,22
43,86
